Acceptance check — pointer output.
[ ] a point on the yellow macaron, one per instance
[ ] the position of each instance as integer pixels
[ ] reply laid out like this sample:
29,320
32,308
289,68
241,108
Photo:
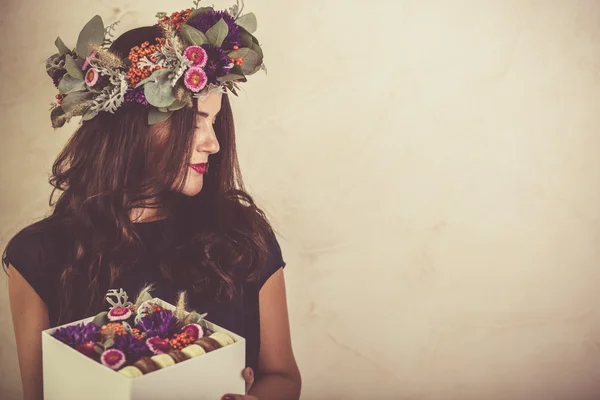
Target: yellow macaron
131,372
193,350
223,338
163,360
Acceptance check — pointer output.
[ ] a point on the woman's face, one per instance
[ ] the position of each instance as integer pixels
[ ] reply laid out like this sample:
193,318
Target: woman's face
204,143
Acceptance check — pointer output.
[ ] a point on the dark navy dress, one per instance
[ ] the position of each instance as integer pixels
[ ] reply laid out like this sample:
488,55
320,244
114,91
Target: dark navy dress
39,259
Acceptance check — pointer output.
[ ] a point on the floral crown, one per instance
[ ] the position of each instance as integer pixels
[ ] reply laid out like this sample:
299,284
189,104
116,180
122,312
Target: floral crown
202,49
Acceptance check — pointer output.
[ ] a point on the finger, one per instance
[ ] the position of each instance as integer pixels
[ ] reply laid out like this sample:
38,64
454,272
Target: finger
238,397
248,375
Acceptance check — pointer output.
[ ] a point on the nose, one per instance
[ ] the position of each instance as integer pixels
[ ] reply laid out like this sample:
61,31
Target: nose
206,140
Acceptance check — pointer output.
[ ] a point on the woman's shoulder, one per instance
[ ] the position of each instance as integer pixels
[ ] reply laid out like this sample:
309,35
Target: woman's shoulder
37,247
38,252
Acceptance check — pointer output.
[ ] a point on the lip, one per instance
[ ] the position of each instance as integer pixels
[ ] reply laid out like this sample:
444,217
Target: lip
200,168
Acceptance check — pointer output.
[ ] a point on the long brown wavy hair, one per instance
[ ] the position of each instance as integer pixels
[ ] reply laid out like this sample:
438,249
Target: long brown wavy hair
109,167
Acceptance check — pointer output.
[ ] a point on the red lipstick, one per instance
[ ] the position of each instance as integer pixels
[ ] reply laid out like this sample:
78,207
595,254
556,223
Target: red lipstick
199,168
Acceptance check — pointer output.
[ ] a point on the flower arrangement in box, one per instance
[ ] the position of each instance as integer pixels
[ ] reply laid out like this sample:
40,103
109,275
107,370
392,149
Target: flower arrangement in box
138,338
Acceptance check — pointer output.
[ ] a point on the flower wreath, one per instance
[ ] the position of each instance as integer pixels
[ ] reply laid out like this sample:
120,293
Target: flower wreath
202,49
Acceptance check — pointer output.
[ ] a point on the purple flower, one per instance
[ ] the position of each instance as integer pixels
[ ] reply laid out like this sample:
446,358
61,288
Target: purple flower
218,63
57,76
78,334
205,21
159,323
133,347
136,96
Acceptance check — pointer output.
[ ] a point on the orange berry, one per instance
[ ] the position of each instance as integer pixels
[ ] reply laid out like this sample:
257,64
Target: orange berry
236,47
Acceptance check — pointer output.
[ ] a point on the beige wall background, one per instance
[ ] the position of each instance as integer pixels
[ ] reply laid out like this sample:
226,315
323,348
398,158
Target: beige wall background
432,167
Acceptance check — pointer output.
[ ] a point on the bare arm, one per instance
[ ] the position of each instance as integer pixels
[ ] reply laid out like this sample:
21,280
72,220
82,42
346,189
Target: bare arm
278,376
30,318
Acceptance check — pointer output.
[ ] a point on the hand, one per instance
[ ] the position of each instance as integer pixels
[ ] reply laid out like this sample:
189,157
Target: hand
248,375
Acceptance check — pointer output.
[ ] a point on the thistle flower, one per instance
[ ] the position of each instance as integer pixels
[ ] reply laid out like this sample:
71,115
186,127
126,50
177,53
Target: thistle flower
195,79
159,323
119,313
197,55
205,21
132,346
113,358
218,63
57,76
91,77
78,334
136,96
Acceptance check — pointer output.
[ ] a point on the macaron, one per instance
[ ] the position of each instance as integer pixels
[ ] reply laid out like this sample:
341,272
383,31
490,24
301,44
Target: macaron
193,350
163,360
146,365
223,338
208,344
178,356
131,372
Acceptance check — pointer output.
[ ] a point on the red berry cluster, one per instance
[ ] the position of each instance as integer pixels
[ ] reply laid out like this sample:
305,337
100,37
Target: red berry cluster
180,340
176,19
237,61
137,74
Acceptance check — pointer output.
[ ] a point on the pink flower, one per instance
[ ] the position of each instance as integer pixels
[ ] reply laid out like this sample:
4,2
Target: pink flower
86,62
193,330
113,358
197,55
158,345
119,313
91,77
195,79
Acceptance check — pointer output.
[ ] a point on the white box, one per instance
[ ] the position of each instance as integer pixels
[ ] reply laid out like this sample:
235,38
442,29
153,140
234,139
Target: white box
68,374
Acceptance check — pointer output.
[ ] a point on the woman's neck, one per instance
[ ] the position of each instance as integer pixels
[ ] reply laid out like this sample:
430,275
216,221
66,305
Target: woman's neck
138,215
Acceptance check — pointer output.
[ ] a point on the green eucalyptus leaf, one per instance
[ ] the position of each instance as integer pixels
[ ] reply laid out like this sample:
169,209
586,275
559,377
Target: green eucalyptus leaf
156,75
126,326
91,34
159,94
246,38
72,68
69,84
256,47
109,343
57,117
239,52
75,99
89,114
248,22
199,11
98,349
62,49
155,116
101,318
217,33
230,77
192,35
177,105
251,61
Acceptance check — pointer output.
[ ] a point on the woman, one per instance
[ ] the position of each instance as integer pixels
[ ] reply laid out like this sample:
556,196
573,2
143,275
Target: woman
154,200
